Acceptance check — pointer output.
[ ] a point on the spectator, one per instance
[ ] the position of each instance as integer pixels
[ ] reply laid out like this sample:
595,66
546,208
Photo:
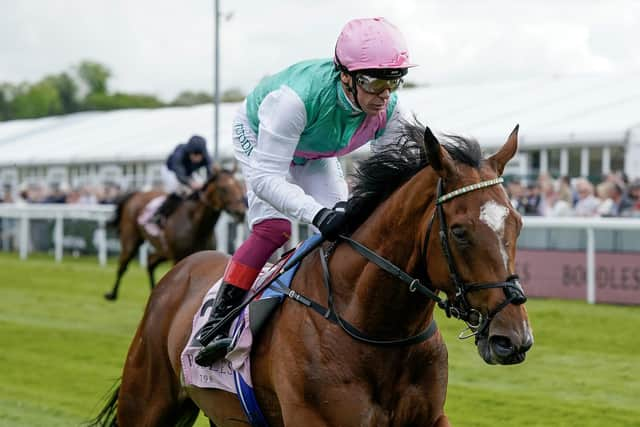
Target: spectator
57,195
633,208
533,197
111,193
551,204
564,190
613,201
587,204
7,194
516,195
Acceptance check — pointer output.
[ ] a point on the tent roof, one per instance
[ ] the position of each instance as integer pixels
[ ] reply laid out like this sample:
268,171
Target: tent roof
580,110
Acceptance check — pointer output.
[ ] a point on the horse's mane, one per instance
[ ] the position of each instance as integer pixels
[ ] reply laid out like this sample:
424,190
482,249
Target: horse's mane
384,172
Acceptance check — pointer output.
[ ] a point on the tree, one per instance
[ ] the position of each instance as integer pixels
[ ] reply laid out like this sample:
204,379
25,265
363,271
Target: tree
232,95
94,75
102,101
39,100
67,90
7,92
187,97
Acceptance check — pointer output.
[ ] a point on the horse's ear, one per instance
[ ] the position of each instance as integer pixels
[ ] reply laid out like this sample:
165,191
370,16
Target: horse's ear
215,169
235,167
506,152
437,156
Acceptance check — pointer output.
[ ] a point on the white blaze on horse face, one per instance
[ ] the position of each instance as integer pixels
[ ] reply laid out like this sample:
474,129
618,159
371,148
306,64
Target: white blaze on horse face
493,214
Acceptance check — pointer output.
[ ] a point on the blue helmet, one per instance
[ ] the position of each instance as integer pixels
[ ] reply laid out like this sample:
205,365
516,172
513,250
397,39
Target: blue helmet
197,144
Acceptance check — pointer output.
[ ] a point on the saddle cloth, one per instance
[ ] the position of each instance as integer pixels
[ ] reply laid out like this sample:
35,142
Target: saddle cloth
220,374
146,214
233,373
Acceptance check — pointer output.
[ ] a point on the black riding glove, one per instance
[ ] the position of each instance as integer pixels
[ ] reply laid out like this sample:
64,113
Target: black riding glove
331,222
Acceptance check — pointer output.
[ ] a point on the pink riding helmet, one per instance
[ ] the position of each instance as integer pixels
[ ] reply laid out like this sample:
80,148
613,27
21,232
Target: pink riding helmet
371,43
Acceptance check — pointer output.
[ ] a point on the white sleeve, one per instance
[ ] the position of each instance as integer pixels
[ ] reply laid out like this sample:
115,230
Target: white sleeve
283,117
392,129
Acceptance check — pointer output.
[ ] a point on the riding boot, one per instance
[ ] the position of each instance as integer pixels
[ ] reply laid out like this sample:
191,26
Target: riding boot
166,208
214,334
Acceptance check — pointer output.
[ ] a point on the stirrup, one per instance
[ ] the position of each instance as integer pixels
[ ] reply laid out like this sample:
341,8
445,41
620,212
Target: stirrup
213,351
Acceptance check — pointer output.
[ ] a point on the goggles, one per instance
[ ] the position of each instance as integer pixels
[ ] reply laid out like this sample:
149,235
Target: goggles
375,86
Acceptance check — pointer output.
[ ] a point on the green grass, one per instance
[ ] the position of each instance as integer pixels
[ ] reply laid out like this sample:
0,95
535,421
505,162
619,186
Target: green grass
62,346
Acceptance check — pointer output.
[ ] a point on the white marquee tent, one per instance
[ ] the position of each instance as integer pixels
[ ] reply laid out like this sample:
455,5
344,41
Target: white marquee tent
577,111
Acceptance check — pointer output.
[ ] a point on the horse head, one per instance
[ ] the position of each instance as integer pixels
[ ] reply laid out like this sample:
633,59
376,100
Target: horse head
471,251
222,191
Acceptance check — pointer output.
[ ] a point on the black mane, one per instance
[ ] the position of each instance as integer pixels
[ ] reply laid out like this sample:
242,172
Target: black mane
384,172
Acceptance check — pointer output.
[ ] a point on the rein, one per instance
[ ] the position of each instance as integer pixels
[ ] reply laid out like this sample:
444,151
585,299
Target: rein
331,314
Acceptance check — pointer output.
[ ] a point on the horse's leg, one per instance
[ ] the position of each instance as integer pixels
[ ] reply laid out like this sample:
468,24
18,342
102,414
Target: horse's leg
129,246
297,415
149,382
153,261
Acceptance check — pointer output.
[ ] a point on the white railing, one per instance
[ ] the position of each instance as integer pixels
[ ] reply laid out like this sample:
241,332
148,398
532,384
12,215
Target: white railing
101,214
58,213
589,225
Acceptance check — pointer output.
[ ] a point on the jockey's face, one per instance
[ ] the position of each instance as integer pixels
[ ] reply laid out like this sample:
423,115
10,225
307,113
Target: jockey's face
370,103
195,157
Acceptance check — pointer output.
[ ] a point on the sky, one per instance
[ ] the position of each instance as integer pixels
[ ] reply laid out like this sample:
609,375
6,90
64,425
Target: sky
164,47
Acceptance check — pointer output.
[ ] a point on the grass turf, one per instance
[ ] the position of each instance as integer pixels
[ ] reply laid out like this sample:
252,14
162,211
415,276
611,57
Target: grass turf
63,346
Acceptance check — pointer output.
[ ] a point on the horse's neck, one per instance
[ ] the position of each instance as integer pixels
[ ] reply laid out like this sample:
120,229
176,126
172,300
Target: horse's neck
374,299
202,216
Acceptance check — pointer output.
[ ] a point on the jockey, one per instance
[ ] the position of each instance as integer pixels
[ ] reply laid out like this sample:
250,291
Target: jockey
177,174
287,136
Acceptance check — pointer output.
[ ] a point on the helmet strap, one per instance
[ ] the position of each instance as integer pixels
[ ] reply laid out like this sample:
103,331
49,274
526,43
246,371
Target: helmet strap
354,90
353,87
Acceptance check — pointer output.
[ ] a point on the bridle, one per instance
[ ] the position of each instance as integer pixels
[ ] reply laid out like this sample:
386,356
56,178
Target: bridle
458,307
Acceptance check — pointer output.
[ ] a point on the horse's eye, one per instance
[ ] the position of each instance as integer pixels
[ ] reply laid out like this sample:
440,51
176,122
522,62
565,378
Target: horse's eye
459,234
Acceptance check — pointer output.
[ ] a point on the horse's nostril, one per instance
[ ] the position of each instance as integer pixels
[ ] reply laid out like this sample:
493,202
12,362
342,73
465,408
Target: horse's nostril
501,346
526,345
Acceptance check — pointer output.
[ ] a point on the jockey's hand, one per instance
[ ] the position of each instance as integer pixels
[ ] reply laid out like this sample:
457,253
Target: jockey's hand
331,222
195,186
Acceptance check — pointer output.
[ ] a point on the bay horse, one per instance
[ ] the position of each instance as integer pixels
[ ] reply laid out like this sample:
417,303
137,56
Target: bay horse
430,227
187,230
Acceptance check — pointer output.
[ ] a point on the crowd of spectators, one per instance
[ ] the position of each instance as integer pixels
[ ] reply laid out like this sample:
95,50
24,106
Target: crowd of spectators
615,196
86,195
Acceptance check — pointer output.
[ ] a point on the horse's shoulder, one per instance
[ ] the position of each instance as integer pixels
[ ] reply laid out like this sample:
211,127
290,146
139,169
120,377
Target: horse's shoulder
208,257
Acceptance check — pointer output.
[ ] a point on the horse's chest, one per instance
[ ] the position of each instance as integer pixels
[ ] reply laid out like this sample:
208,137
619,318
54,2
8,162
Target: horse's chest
410,407
359,404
